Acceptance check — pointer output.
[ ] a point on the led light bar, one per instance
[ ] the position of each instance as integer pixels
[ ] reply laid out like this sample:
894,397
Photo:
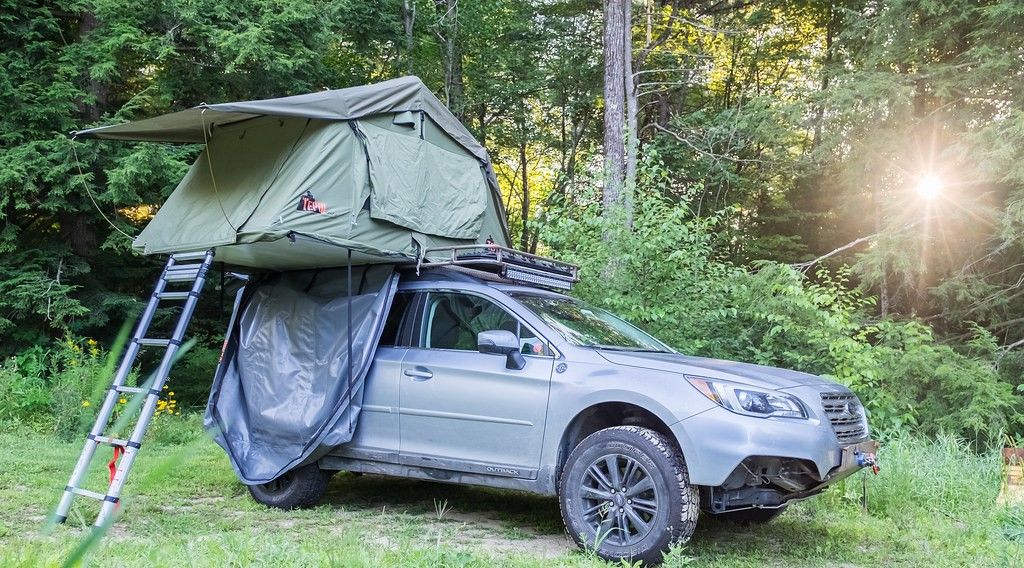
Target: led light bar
530,276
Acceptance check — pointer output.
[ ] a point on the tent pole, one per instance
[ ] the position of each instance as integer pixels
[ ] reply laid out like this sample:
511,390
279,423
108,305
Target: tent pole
349,326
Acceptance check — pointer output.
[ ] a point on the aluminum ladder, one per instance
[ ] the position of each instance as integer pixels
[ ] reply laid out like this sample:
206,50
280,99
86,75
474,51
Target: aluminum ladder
180,268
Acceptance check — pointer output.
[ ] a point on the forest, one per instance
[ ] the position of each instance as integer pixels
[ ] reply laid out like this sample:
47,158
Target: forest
835,187
830,186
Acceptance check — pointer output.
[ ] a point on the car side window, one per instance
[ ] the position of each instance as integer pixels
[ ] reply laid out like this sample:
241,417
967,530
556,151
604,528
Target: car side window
453,320
393,327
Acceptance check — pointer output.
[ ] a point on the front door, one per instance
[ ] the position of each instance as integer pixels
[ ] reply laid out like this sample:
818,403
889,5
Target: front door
464,410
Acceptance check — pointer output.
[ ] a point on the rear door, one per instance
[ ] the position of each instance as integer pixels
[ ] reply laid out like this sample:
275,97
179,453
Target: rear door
464,410
377,435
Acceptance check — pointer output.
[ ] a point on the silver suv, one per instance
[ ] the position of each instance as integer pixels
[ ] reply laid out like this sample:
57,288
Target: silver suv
512,386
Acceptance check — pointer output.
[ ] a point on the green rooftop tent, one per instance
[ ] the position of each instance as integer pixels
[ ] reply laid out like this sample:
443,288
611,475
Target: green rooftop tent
383,170
368,176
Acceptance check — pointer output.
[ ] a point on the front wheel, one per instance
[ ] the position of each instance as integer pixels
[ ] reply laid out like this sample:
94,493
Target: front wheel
625,493
296,489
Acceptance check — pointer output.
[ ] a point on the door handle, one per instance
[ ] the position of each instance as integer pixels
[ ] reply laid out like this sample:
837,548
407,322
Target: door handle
419,374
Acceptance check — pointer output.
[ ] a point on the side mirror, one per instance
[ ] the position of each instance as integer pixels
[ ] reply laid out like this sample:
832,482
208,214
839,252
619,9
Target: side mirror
501,342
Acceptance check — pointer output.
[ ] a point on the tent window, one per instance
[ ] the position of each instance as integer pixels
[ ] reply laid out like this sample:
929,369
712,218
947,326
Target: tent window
423,187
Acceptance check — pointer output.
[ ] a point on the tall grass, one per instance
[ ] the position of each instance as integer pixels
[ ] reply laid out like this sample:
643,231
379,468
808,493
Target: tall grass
941,476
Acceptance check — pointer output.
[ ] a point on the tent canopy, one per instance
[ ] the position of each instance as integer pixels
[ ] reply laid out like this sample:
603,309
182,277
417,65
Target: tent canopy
382,170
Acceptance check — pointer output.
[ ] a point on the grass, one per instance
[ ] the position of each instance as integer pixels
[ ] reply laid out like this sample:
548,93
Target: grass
933,505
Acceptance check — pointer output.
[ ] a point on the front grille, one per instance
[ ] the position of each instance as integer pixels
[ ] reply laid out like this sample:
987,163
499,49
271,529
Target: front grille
846,414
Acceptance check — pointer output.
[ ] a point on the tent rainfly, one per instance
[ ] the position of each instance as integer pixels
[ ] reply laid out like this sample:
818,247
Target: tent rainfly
383,170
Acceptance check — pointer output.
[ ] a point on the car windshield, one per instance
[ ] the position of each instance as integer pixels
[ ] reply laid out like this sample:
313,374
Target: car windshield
581,324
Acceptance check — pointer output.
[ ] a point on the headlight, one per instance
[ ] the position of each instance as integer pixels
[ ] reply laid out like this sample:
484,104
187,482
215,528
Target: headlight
745,400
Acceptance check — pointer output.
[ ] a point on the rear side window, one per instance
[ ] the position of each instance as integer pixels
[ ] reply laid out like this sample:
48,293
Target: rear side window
396,316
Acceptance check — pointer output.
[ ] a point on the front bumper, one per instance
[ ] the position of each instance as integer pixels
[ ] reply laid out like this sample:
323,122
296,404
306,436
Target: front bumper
854,458
715,443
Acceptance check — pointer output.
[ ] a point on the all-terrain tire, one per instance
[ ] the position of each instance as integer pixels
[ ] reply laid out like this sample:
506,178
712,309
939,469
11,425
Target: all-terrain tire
297,489
659,507
751,516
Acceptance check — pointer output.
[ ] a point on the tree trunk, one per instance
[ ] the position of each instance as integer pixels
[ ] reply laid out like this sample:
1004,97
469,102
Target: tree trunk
408,20
451,56
632,142
614,102
883,293
92,111
481,117
819,111
524,240
75,225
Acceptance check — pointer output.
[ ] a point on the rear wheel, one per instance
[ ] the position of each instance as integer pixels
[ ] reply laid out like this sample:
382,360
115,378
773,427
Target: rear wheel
625,494
296,489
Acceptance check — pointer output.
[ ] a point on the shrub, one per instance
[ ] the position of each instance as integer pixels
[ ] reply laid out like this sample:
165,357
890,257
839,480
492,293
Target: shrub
25,398
77,377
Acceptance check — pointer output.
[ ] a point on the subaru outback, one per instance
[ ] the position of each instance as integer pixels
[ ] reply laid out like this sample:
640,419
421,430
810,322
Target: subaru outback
489,382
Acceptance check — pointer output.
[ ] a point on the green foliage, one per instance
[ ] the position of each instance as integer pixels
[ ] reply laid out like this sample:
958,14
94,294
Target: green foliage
76,379
193,374
52,390
25,397
59,390
666,275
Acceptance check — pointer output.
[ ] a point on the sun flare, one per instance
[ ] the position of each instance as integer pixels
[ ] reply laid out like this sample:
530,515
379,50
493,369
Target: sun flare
929,187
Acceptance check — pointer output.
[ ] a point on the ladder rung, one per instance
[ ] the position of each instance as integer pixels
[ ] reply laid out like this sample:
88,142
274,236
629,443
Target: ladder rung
186,273
134,390
111,441
87,493
174,295
187,256
154,342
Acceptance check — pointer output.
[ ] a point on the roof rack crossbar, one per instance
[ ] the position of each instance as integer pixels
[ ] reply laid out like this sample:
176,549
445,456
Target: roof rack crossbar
505,262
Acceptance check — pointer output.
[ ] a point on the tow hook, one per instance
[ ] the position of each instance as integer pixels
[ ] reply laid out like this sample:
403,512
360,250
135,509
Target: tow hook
866,459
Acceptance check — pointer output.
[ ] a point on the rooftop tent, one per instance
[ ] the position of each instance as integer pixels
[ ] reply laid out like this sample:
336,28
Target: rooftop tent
384,170
367,177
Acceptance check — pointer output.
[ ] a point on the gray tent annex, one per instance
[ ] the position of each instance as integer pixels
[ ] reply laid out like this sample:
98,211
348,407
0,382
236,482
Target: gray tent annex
383,170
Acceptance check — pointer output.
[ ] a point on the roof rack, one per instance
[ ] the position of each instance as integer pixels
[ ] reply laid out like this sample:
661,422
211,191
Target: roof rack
506,263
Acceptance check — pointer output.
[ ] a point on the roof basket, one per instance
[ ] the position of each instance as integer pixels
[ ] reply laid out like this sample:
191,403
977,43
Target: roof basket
507,263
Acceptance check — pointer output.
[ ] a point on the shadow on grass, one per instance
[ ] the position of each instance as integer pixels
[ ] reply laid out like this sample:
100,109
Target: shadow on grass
537,513
541,514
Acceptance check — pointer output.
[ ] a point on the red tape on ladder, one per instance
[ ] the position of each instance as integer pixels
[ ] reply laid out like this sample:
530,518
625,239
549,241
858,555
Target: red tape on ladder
112,465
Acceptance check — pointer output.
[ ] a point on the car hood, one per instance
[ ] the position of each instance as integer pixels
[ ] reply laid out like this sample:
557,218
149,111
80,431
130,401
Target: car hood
746,373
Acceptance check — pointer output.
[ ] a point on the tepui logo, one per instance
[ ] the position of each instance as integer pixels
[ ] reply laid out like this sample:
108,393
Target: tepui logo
310,204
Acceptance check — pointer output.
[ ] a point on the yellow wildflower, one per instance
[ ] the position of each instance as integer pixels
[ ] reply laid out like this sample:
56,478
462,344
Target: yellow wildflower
85,403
